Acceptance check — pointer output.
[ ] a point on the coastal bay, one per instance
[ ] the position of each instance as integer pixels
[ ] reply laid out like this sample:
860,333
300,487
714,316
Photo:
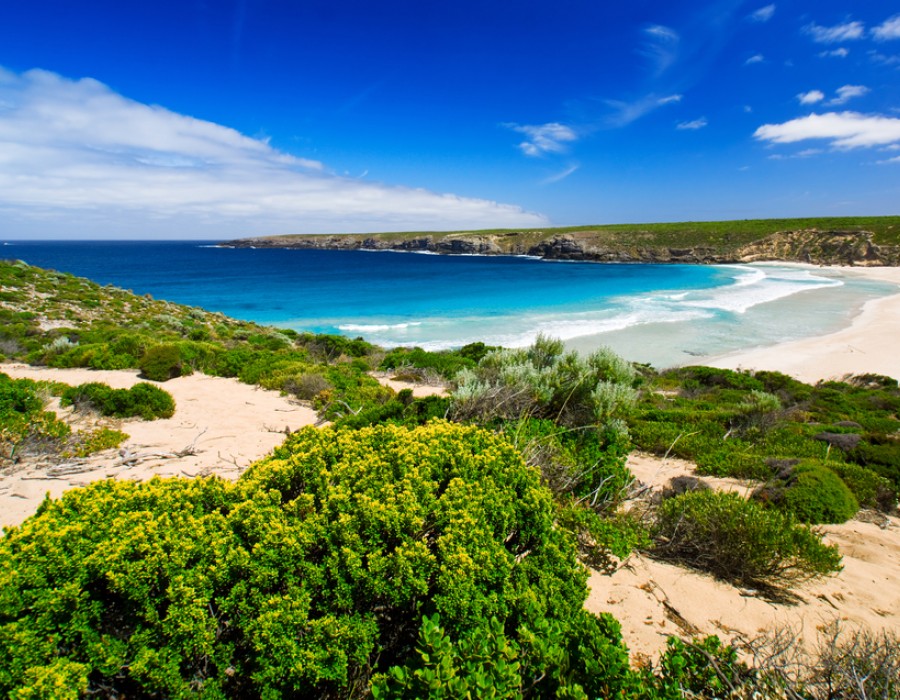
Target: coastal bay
664,315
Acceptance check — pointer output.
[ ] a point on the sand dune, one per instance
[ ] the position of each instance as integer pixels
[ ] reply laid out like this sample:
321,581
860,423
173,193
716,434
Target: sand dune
653,599
231,424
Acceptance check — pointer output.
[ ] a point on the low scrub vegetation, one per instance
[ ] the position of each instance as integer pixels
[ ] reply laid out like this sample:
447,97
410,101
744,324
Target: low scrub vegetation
812,493
45,318
143,400
28,431
740,540
748,425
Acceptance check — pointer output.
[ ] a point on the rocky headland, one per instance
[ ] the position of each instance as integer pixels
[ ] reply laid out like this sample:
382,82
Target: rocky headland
819,246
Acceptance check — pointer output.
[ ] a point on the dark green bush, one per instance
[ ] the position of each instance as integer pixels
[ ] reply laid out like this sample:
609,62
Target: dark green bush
882,455
704,668
402,410
740,540
311,574
161,363
812,493
445,363
869,488
143,400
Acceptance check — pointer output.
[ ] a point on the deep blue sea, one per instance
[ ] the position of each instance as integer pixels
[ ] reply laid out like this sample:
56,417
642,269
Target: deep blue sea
662,314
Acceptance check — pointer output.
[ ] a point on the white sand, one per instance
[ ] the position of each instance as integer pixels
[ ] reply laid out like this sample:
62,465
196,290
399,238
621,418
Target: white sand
871,344
233,424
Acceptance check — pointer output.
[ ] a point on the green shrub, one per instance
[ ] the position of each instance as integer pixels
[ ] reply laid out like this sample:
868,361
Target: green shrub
87,443
881,455
870,489
161,363
740,540
306,386
143,400
544,382
25,428
445,363
812,493
587,465
704,668
343,556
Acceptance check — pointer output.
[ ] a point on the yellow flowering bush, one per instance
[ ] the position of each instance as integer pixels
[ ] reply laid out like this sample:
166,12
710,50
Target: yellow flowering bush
315,575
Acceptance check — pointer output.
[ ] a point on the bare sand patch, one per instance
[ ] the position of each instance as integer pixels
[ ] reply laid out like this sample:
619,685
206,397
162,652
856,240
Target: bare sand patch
230,424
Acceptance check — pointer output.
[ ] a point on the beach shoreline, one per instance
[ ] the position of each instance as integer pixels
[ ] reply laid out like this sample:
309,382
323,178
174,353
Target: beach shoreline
866,346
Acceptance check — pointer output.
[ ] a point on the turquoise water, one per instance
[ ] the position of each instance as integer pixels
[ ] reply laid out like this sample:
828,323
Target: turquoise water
661,314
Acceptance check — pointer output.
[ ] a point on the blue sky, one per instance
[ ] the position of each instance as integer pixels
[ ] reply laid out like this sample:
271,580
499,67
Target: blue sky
202,119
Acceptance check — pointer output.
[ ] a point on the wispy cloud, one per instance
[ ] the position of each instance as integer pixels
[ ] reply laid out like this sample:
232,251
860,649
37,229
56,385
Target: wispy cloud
660,47
811,97
883,59
842,129
77,157
887,30
758,58
835,53
562,175
848,92
806,153
692,125
544,138
624,113
847,31
763,14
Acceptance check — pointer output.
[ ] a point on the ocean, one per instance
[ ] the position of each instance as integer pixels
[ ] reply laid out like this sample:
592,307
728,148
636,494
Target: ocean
663,315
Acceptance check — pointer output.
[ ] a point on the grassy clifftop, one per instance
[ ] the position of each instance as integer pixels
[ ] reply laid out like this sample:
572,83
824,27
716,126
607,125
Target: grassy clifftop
844,240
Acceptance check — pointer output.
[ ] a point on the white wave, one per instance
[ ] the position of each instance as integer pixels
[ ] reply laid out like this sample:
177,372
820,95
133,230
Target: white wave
748,277
759,287
377,327
523,331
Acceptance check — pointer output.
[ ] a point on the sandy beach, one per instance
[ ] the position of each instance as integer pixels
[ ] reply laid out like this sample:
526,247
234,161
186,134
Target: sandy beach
868,345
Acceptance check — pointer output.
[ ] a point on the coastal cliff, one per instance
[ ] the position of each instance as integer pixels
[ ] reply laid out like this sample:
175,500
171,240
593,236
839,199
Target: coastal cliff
847,243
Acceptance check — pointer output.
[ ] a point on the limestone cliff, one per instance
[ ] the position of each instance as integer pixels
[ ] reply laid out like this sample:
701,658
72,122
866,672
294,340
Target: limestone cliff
811,245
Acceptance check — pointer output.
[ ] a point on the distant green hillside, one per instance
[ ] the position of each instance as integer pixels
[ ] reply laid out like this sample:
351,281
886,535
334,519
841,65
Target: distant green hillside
843,240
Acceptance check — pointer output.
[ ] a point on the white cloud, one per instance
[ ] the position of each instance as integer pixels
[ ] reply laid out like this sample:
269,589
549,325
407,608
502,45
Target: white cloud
840,32
848,92
544,138
811,97
835,53
661,47
842,129
693,125
758,58
896,159
763,14
889,29
78,159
